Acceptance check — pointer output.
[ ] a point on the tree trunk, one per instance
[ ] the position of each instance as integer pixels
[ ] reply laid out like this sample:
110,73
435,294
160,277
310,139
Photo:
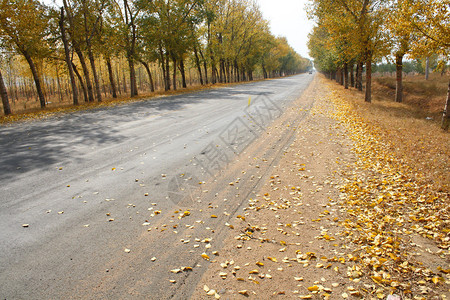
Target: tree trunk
124,80
368,95
352,75
232,76
222,74
446,114
79,52
211,55
91,54
135,81
140,79
359,71
4,95
427,68
80,79
37,80
183,73
213,71
167,72
213,66
118,78
150,78
163,67
399,81
67,58
103,86
133,85
111,77
94,73
220,71
86,73
197,63
346,76
228,71
58,82
131,48
205,66
174,61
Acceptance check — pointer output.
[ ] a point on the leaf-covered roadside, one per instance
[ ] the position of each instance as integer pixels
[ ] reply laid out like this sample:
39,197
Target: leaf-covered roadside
386,206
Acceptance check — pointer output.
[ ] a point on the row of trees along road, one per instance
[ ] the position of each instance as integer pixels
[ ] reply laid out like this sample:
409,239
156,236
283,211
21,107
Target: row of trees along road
351,33
66,48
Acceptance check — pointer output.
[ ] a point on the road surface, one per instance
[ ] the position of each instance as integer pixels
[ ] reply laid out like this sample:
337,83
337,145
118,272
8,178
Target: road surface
104,191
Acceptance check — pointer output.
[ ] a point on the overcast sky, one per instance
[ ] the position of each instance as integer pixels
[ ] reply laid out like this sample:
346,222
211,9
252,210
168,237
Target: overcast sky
288,18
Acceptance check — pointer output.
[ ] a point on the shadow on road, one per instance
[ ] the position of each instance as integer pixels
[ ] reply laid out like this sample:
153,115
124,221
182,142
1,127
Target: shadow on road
26,147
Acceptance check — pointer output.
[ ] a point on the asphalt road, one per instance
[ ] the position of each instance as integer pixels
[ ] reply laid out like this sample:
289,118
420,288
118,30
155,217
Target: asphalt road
89,184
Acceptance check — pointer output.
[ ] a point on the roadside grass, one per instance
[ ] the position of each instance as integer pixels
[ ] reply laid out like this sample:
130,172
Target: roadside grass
418,142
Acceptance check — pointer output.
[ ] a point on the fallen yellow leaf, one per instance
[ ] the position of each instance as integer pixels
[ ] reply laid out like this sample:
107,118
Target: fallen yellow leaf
313,288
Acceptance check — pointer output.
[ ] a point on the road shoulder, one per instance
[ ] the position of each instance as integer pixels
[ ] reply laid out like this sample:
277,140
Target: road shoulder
318,229
280,238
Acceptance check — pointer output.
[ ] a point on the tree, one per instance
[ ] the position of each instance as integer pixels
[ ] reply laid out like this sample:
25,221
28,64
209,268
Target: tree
339,23
129,32
4,96
355,31
75,31
397,24
170,25
92,12
67,58
429,22
3,91
368,15
24,29
324,58
110,40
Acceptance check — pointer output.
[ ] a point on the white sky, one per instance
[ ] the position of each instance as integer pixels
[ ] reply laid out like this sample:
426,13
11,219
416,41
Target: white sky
288,18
